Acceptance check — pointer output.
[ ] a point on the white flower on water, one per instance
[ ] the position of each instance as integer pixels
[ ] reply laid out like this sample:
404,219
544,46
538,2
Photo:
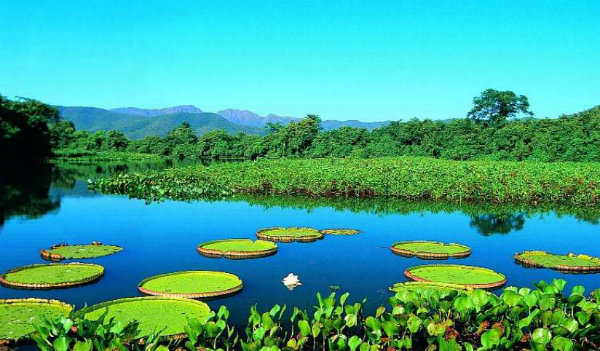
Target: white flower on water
291,281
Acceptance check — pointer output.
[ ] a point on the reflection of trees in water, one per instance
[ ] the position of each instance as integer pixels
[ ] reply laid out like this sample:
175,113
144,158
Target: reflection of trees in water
489,224
24,191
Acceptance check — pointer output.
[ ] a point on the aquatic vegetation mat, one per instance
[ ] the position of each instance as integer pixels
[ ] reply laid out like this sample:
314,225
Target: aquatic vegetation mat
52,275
289,234
430,249
68,252
570,262
466,276
153,313
237,248
408,178
17,316
340,231
192,284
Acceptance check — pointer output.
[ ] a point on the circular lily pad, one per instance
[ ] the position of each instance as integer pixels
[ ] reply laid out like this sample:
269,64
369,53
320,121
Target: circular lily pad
166,315
192,284
465,276
430,249
567,263
419,286
17,316
68,252
339,231
237,248
288,235
52,275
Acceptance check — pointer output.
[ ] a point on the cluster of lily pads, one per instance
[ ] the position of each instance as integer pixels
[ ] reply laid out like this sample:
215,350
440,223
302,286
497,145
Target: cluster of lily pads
443,305
480,277
172,303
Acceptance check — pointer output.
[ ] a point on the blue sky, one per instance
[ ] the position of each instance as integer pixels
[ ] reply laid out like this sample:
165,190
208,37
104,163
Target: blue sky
368,60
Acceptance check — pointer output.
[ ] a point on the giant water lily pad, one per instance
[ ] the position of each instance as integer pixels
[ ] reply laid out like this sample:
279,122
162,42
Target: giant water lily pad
465,276
17,316
237,248
164,314
421,286
52,275
69,252
570,262
192,284
340,231
289,234
430,249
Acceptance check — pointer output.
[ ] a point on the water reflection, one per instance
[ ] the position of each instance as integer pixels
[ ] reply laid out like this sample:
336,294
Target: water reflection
34,190
490,224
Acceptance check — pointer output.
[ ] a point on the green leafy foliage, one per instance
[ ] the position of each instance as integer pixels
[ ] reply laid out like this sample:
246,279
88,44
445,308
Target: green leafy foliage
403,177
418,318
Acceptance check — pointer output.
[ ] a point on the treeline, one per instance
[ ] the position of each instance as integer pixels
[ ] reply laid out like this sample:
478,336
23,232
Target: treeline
567,138
490,131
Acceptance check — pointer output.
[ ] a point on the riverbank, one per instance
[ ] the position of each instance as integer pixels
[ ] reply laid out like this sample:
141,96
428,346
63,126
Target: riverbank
401,177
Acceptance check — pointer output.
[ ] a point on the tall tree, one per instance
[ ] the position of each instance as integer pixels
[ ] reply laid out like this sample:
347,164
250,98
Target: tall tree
494,106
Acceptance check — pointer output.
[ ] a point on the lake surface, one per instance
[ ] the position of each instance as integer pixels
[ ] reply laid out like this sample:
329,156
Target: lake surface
42,207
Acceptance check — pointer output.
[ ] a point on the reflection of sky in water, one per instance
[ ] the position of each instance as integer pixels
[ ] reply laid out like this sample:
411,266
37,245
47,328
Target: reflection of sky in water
162,237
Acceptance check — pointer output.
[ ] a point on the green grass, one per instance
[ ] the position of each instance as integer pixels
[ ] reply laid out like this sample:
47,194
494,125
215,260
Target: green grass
17,316
245,245
295,232
400,177
191,282
552,260
153,313
85,251
432,247
456,274
54,273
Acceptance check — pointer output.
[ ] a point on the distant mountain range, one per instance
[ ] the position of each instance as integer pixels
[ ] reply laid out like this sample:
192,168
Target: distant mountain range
137,123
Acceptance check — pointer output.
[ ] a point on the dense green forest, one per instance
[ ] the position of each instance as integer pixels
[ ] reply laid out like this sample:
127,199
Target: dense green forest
491,131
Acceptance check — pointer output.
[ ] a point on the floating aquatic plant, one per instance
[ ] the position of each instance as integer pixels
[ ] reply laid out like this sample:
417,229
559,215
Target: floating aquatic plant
18,315
289,234
52,275
430,249
569,263
237,248
192,284
465,276
66,252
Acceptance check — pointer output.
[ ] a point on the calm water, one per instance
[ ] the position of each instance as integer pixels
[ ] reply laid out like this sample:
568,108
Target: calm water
53,205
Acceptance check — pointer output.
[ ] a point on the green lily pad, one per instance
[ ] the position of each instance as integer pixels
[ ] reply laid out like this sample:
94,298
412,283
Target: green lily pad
289,234
237,248
192,284
52,275
420,286
465,276
340,231
69,252
17,316
569,262
155,314
430,249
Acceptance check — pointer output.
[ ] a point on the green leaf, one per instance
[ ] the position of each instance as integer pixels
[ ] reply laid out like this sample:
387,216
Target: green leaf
353,342
541,336
82,346
560,343
304,327
490,339
61,344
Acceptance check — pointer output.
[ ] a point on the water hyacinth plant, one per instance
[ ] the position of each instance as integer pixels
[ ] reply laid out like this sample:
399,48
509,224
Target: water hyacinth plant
417,318
401,177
